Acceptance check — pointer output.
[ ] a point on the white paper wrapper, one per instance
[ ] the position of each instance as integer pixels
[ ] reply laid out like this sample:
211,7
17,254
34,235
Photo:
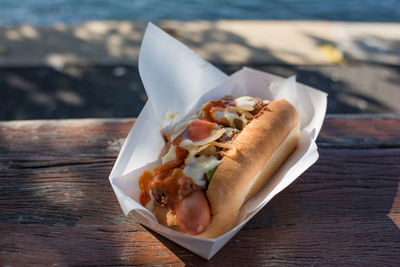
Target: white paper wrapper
177,80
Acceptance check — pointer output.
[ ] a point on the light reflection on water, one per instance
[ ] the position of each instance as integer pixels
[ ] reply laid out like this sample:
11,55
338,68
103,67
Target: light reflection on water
42,12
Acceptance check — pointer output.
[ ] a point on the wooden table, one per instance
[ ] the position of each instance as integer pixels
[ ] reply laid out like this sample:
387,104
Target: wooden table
57,205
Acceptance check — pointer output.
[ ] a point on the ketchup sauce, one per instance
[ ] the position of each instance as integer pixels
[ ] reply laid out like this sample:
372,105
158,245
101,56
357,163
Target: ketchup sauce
213,106
169,178
172,186
197,130
145,180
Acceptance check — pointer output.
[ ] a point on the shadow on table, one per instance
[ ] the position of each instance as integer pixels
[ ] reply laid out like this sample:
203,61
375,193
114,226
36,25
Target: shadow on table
44,93
57,204
186,256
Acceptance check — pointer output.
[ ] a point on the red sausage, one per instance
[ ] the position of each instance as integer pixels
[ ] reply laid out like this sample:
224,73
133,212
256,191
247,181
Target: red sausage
193,213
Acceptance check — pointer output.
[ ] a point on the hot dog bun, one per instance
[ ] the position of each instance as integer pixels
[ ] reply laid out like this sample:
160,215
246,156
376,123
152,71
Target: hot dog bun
260,149
254,155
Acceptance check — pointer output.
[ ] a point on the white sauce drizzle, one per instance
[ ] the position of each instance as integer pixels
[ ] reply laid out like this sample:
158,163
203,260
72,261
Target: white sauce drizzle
170,156
245,103
196,168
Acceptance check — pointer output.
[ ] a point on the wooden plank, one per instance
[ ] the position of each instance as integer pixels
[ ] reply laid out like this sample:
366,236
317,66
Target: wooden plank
57,207
360,132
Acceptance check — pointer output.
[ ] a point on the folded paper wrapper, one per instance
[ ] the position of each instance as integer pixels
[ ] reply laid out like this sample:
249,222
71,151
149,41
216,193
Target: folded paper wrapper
177,81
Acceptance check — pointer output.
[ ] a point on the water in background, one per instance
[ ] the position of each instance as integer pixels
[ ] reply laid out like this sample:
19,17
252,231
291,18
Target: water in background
47,12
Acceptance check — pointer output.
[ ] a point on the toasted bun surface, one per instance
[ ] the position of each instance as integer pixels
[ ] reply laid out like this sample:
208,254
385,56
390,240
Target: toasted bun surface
262,146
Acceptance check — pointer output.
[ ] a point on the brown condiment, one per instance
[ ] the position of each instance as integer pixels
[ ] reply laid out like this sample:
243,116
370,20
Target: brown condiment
213,106
197,130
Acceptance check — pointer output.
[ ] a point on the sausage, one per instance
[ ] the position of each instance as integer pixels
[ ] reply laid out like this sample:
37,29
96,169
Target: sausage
193,213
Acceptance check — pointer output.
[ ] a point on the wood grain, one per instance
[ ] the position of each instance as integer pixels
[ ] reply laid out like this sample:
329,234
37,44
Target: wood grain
57,206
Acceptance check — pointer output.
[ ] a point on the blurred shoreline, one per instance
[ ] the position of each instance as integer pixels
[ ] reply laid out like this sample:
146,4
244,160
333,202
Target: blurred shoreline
90,70
39,12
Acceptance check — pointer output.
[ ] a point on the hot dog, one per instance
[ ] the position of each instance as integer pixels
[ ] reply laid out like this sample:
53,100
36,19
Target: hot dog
216,161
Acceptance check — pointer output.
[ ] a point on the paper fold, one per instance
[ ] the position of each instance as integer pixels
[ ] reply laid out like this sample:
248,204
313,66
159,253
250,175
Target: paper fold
177,80
177,88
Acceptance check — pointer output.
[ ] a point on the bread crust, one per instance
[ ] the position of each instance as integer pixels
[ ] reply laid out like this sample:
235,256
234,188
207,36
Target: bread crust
263,145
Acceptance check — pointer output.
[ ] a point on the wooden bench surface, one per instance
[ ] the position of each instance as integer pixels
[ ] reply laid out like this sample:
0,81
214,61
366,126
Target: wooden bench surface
57,206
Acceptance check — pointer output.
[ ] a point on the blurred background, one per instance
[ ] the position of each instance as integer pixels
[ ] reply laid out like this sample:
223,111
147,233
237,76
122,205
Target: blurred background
78,59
